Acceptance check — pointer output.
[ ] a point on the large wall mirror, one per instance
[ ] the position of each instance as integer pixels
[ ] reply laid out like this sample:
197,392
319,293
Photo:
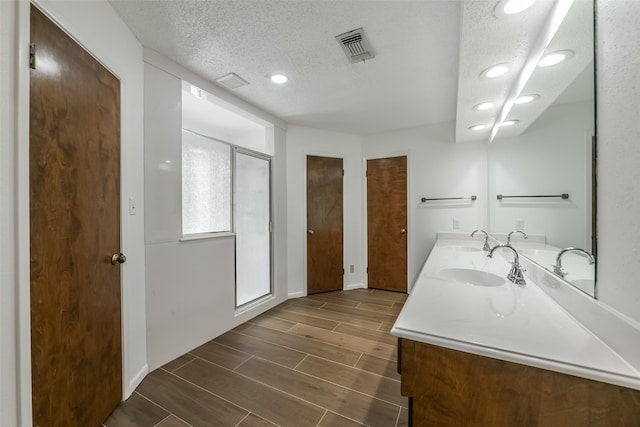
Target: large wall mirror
542,169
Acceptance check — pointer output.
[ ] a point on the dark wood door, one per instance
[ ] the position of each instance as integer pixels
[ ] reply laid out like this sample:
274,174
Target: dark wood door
387,223
76,355
324,224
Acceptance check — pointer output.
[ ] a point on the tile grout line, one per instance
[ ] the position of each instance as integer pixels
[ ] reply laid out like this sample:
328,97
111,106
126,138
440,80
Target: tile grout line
161,407
247,416
322,417
163,420
314,355
254,380
234,403
286,392
295,368
359,358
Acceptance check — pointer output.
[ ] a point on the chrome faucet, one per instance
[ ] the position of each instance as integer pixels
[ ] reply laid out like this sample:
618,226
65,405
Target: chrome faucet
557,267
515,274
515,231
486,246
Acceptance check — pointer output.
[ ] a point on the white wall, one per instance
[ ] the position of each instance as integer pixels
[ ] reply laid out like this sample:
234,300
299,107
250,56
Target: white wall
303,141
551,157
618,103
191,284
97,27
437,167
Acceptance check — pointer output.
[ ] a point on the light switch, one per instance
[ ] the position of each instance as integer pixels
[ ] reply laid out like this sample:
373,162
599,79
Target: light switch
132,206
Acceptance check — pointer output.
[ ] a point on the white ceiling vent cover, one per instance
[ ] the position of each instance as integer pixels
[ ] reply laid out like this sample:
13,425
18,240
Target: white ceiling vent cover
355,45
232,81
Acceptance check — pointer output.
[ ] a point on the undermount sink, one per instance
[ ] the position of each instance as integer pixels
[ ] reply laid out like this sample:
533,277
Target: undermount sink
473,277
462,248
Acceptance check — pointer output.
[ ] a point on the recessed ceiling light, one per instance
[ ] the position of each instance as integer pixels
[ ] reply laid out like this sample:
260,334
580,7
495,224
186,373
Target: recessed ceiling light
511,7
495,71
279,78
525,99
477,127
555,58
508,123
484,106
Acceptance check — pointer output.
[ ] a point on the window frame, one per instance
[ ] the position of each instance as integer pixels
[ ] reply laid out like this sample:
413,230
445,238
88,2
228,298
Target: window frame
212,234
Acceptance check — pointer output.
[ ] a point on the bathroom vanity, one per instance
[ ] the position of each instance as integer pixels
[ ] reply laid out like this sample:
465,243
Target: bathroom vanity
476,349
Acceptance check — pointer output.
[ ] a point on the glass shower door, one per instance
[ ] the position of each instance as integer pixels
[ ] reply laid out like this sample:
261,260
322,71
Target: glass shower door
252,226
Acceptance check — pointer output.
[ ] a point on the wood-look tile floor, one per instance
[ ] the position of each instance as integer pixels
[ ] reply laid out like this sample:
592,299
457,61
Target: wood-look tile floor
323,360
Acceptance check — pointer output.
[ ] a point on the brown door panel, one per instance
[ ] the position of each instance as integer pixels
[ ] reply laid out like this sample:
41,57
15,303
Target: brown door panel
74,173
324,224
387,223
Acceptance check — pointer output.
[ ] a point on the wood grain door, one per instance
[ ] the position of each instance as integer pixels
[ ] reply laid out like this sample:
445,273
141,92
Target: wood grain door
387,223
74,154
324,224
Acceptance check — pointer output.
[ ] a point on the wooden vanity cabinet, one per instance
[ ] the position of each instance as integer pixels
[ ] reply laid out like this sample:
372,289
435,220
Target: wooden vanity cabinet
453,388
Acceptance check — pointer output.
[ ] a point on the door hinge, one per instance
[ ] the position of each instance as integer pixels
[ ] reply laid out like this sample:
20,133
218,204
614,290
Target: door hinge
342,172
367,270
32,56
343,271
366,173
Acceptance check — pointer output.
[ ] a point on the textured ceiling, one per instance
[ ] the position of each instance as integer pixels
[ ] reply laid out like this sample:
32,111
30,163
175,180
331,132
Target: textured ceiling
428,57
411,81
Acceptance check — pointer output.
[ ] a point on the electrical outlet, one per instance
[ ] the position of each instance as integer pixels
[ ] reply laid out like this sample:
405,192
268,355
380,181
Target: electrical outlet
352,268
456,224
520,224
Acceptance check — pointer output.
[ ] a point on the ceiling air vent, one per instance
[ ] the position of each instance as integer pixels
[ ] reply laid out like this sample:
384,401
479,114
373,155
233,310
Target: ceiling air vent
355,45
232,81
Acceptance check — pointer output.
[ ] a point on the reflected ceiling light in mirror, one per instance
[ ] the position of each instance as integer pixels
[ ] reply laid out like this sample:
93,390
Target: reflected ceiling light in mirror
512,7
279,78
555,58
495,71
507,123
484,106
525,99
548,30
478,127
196,91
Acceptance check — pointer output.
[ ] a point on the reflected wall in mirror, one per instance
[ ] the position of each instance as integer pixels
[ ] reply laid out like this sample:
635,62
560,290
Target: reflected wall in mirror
548,152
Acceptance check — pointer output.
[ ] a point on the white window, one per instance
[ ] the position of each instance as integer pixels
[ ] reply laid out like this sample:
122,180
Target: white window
206,185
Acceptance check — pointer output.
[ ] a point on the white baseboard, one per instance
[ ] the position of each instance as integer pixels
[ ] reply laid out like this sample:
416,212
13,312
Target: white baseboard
136,380
355,286
297,294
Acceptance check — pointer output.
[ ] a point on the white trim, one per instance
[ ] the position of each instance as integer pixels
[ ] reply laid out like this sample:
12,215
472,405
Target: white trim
137,379
355,286
299,294
9,357
22,202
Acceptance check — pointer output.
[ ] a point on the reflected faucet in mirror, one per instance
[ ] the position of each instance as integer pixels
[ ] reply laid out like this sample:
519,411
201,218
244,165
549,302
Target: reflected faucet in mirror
515,274
557,268
486,246
515,231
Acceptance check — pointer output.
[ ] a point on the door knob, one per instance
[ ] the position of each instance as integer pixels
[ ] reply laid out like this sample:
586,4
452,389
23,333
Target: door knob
118,258
403,231
310,232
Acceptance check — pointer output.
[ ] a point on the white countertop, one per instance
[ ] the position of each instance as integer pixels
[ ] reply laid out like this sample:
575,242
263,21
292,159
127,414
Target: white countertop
520,324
